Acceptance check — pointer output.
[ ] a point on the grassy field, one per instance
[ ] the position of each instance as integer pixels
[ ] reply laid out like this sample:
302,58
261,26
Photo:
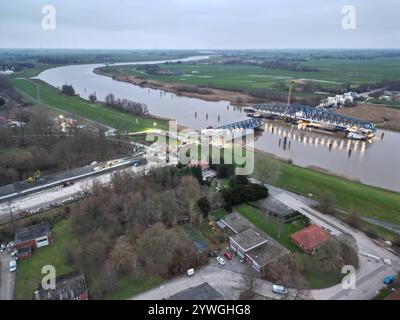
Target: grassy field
271,228
129,286
367,201
52,98
29,271
331,73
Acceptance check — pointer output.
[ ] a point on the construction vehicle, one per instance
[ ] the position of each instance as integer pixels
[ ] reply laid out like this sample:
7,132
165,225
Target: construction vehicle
291,81
34,177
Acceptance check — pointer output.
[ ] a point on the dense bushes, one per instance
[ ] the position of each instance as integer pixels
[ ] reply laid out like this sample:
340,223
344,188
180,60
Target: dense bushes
244,193
68,89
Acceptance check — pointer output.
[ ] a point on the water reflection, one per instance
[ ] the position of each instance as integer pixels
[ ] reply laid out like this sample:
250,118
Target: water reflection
302,135
373,163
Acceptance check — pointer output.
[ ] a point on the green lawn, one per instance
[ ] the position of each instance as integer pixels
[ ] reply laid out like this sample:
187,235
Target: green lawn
32,72
129,286
331,73
52,98
271,228
320,280
29,274
219,214
367,201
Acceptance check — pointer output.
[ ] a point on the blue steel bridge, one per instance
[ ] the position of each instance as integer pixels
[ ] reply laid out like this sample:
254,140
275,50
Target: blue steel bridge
252,123
314,115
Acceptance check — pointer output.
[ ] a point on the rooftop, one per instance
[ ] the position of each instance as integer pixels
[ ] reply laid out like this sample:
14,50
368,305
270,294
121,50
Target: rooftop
236,222
249,239
310,237
32,232
276,207
267,252
68,287
201,292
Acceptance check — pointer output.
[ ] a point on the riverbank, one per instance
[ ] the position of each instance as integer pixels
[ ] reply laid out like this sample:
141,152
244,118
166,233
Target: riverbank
383,117
368,201
209,94
53,99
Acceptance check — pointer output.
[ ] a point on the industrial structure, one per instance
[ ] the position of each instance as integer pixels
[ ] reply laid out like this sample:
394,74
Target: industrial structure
313,115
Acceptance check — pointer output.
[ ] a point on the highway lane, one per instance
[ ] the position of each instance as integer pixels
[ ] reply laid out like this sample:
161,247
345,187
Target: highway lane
44,199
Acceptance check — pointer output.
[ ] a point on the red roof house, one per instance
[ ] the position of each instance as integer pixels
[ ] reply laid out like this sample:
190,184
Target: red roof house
310,238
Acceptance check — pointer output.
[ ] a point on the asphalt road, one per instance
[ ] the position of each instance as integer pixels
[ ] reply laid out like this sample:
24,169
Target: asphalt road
371,272
47,197
7,278
229,281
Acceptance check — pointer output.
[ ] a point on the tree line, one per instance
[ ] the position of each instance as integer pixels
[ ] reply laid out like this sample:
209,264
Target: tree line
125,105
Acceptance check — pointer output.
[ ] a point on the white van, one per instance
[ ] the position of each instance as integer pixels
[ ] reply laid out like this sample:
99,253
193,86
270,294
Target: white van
279,289
190,272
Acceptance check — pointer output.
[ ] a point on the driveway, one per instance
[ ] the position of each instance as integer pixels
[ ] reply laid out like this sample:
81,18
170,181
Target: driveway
229,281
7,278
371,271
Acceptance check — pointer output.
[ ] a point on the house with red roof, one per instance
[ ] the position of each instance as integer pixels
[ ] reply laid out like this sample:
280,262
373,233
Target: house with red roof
310,238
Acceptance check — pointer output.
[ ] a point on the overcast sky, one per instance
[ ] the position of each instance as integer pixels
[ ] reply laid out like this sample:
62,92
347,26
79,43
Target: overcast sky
207,24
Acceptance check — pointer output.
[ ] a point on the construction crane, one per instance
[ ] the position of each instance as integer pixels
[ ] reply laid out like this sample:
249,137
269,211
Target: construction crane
34,177
291,81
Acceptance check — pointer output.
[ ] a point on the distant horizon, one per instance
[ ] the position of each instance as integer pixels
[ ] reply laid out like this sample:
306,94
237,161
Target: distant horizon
208,24
195,49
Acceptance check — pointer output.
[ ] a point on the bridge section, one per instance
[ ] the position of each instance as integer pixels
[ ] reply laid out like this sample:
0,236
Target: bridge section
315,115
245,124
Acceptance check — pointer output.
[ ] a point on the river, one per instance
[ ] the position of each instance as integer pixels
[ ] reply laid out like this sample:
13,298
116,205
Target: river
375,163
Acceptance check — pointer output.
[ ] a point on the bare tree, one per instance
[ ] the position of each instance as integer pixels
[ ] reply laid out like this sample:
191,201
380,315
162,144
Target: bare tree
267,171
327,202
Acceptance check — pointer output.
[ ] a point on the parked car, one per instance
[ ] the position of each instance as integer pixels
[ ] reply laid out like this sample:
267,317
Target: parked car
388,280
221,261
13,265
279,289
190,272
228,255
3,247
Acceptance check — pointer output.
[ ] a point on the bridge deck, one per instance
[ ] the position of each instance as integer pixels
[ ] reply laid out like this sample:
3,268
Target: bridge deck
244,124
314,114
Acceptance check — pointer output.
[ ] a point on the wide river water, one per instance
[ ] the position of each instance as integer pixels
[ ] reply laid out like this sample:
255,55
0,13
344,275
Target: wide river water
375,163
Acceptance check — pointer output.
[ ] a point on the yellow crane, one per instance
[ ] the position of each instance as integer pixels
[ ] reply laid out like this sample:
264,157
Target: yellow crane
291,81
34,177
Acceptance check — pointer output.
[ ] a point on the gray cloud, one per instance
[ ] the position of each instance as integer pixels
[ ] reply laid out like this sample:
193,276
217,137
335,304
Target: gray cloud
200,24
